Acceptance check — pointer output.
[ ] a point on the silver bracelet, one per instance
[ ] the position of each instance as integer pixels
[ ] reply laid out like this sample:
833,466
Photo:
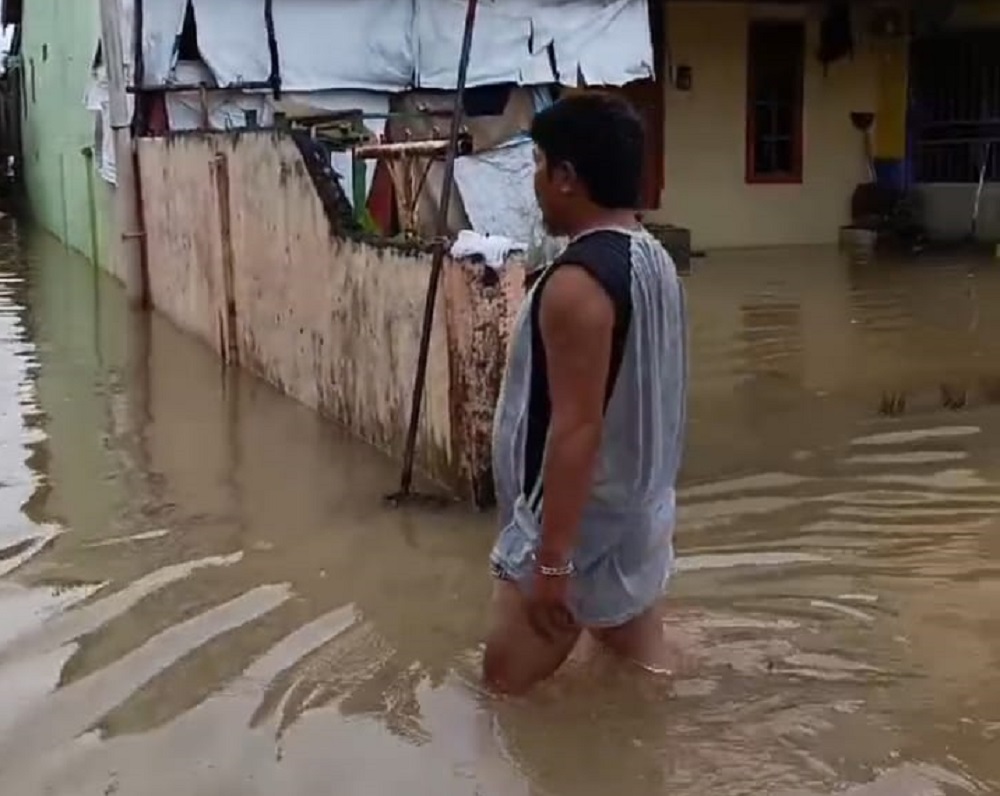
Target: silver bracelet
556,572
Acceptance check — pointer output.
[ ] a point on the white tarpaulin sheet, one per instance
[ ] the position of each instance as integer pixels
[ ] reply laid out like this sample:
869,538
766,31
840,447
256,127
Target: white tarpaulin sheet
386,45
356,44
322,44
232,39
161,24
498,191
608,42
596,43
501,44
97,99
226,110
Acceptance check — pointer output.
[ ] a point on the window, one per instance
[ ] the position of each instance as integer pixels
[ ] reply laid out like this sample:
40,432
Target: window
955,107
775,66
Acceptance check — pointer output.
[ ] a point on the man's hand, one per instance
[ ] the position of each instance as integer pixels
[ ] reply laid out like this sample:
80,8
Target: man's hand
548,610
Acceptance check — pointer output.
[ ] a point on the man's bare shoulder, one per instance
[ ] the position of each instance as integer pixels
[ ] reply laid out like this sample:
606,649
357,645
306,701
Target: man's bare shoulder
573,302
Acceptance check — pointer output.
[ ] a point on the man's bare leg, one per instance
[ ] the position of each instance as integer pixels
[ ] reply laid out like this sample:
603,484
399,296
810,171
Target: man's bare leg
642,642
517,656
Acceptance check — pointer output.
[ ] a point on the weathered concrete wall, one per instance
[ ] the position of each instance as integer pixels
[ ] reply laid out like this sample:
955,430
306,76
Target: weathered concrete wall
241,254
480,308
184,241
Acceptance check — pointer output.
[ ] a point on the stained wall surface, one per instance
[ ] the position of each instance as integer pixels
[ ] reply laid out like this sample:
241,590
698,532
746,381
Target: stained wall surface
242,255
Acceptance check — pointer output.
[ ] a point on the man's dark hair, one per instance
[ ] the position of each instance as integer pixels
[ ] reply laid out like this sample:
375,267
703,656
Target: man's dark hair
601,136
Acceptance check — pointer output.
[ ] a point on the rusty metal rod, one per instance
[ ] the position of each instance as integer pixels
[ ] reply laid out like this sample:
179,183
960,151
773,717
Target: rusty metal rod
272,47
352,115
437,263
138,65
172,88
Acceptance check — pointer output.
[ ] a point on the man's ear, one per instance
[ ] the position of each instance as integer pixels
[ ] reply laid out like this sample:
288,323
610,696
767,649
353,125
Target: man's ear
564,176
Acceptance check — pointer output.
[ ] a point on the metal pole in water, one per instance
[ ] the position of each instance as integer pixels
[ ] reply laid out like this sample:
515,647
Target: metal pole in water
437,262
95,253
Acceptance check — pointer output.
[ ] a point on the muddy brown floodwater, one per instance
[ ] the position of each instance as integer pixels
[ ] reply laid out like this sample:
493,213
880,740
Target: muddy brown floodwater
202,594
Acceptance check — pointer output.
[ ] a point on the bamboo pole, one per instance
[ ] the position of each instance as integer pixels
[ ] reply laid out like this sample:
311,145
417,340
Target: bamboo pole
400,150
437,263
126,248
176,88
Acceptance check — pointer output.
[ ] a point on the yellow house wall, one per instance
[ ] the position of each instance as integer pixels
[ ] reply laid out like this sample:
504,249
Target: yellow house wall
893,80
975,13
705,187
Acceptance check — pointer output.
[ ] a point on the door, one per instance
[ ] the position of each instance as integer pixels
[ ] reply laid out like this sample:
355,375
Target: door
647,97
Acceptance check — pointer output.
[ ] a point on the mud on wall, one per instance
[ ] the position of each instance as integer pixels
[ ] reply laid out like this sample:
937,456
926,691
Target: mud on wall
241,254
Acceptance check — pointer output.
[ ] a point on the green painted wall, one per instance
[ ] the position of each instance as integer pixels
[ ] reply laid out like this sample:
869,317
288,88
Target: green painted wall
58,44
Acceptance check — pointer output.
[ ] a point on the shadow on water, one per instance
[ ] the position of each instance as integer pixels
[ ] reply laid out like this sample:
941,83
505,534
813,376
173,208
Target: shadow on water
205,595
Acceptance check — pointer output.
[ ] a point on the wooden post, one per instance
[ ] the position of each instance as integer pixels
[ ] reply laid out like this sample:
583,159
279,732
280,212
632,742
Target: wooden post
126,244
228,345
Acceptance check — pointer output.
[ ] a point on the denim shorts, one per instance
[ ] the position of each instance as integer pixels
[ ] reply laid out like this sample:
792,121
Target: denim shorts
620,571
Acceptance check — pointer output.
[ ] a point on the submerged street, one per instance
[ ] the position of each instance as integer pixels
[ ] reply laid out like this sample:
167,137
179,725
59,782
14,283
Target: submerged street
202,592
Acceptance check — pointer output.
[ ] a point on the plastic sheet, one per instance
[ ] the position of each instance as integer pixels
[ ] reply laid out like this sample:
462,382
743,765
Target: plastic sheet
595,42
392,45
346,44
226,110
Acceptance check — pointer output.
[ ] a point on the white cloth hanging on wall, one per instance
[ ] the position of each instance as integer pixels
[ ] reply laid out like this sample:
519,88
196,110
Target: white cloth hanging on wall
97,99
162,21
227,110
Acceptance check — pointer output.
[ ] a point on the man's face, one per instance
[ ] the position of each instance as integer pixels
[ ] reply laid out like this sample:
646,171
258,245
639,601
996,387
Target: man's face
551,192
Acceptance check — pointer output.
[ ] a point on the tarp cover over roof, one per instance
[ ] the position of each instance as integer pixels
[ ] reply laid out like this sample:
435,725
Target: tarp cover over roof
394,45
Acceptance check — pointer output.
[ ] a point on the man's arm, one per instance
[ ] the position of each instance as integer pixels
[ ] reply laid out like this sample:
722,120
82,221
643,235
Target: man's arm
577,320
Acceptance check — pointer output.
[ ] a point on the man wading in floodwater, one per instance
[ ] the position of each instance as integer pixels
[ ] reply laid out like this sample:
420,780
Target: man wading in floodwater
589,426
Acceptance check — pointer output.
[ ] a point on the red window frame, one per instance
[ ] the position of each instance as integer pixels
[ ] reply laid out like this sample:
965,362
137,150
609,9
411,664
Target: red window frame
762,53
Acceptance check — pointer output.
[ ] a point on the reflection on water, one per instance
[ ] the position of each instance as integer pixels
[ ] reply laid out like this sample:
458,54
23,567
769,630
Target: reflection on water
203,593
